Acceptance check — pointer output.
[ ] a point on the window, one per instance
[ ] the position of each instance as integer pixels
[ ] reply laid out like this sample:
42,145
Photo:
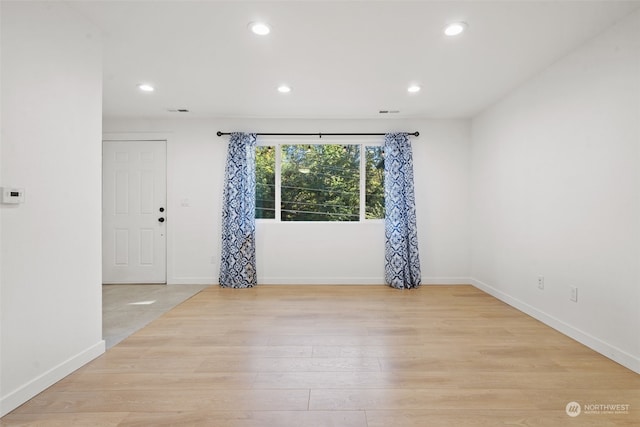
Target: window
374,186
265,182
319,182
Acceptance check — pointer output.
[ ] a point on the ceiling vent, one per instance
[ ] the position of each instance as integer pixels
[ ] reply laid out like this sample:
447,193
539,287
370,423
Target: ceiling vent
178,110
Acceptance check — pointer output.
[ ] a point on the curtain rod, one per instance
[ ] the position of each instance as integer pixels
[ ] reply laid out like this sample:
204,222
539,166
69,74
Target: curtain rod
320,134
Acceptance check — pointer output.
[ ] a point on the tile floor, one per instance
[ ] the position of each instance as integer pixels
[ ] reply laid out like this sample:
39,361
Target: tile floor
128,308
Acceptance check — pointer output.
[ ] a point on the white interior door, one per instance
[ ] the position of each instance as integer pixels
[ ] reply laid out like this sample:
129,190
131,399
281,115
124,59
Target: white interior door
134,212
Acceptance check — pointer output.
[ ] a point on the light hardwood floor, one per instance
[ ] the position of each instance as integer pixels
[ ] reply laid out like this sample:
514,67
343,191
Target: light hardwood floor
343,356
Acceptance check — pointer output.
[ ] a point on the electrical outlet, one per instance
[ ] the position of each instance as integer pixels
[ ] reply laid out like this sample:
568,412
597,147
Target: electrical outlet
573,293
540,282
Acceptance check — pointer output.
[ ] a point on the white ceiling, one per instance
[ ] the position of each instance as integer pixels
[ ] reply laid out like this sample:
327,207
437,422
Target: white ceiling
343,59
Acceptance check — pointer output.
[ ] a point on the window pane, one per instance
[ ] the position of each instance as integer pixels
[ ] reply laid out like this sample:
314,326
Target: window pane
265,182
320,182
374,183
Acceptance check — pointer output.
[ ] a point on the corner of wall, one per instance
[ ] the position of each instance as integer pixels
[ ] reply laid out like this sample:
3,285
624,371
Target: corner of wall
555,187
52,148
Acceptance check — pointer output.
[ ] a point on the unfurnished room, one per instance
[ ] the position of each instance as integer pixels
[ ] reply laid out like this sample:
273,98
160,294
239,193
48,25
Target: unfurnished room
320,213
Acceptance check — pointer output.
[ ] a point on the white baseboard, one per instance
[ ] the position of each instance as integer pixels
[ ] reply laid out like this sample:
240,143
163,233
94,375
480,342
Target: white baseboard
332,280
446,280
27,391
320,281
354,280
612,352
192,281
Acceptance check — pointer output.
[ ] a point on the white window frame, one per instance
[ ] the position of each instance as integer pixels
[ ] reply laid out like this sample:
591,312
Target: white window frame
278,142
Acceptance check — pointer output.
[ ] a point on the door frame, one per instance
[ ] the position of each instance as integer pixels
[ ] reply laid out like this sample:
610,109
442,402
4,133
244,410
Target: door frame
148,136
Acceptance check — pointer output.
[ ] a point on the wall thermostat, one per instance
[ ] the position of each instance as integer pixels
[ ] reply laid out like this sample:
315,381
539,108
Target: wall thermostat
12,196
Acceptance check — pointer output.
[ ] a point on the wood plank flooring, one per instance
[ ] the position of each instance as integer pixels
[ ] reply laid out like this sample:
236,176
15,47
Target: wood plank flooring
343,356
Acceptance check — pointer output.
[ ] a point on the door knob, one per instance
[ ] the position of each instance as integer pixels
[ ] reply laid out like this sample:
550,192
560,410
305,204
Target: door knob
161,219
161,209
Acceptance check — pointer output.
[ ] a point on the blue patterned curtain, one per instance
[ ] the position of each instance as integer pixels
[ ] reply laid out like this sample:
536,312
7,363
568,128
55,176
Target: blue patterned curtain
238,264
402,262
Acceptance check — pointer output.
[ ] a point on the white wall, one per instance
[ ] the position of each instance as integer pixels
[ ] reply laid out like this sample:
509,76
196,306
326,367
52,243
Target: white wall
310,253
556,192
50,321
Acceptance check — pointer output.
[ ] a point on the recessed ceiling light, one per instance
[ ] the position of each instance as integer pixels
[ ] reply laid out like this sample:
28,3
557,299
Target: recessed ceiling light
259,28
455,28
413,89
284,89
145,87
